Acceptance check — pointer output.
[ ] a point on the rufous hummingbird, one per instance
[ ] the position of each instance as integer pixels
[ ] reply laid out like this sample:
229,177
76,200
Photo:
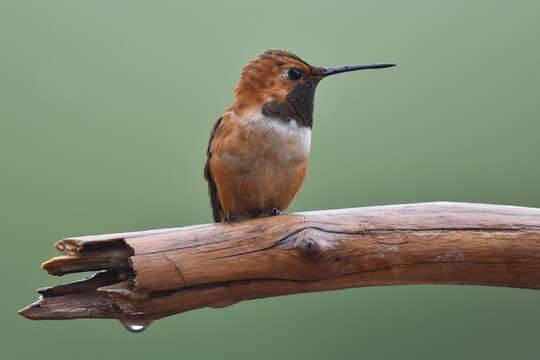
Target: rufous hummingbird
257,156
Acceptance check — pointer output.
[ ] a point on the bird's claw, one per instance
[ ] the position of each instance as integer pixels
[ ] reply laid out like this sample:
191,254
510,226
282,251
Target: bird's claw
274,212
229,219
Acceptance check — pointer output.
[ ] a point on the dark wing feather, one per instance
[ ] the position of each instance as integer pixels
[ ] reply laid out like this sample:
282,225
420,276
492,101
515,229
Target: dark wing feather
217,210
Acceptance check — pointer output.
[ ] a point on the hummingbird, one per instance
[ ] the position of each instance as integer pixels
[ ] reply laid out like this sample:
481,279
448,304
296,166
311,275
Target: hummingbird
257,156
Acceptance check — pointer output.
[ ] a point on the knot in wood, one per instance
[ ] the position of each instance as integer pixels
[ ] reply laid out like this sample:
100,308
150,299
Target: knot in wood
309,248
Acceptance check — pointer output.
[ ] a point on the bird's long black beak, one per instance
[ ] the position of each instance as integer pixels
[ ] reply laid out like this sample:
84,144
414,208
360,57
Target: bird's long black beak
341,69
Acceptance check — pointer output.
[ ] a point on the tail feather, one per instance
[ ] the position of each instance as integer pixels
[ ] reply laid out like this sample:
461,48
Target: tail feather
217,210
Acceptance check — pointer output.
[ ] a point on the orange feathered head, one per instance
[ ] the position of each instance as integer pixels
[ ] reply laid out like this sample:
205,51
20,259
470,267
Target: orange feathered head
281,84
272,75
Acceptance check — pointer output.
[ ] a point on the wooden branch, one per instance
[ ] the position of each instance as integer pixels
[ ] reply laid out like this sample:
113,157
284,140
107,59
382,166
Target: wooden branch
147,275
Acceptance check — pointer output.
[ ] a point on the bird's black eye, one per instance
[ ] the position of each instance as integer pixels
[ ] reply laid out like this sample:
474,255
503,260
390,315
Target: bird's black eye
294,74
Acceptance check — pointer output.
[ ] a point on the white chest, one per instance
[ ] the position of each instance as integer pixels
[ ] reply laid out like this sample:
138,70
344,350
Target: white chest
285,139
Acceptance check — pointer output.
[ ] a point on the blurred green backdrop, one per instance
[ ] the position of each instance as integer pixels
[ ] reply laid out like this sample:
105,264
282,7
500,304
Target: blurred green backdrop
106,108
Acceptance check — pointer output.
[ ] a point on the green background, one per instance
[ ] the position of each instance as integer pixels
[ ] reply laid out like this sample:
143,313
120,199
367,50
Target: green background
105,112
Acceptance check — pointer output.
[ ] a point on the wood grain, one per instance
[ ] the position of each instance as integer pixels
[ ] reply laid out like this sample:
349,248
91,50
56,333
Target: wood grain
151,274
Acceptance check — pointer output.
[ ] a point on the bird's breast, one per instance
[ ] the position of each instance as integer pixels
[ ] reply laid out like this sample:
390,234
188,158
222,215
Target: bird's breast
259,163
275,138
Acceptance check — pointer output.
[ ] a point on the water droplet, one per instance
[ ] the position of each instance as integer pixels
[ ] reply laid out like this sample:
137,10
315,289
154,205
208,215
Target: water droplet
135,326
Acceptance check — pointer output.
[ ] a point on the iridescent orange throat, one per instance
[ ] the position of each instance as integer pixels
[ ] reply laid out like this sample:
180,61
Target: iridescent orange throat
298,104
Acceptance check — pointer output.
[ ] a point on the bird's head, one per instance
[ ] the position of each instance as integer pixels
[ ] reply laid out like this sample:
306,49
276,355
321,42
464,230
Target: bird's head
280,84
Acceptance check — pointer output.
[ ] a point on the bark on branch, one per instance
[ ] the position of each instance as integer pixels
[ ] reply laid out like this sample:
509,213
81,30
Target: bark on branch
147,275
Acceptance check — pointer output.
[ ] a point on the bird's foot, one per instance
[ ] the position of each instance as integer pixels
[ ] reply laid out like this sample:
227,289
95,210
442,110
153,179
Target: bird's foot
273,212
229,219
